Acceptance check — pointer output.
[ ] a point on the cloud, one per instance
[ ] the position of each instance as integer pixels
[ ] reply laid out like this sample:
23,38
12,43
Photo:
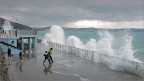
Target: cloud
48,12
104,24
23,9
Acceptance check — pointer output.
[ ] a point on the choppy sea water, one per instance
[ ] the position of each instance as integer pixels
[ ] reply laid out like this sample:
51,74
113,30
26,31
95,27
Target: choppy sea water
124,42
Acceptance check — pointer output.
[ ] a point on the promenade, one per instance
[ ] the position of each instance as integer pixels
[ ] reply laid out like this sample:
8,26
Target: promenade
65,68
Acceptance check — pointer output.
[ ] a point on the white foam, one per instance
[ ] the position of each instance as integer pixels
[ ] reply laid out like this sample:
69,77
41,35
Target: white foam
7,25
103,45
91,45
74,41
56,35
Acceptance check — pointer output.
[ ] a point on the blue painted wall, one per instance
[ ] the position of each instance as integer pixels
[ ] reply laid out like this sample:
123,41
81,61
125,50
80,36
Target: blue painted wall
14,51
12,41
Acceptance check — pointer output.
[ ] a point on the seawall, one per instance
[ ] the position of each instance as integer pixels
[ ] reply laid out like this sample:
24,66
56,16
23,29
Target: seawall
3,68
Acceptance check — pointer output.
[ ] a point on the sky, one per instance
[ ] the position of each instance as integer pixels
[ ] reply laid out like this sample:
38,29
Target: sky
75,13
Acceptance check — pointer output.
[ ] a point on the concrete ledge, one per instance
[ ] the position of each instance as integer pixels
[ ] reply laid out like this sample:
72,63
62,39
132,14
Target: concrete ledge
3,67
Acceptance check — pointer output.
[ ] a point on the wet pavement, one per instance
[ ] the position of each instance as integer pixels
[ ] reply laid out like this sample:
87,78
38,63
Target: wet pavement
65,68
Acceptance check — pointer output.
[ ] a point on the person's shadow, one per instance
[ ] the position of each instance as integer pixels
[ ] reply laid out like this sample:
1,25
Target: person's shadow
19,65
47,69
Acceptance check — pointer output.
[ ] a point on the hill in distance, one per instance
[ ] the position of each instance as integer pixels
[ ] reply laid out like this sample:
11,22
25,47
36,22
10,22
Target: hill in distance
14,24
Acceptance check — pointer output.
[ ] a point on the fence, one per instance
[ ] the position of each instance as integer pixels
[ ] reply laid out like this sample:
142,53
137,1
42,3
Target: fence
17,33
112,62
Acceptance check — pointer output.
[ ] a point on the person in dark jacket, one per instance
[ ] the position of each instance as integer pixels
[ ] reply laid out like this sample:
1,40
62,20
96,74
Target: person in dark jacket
47,57
9,52
20,54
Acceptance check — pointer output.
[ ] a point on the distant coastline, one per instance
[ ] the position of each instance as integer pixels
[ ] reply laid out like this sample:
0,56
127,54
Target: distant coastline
25,27
14,24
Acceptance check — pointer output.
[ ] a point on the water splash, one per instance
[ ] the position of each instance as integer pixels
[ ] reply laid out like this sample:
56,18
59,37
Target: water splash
118,58
7,25
56,35
74,41
91,45
103,45
126,50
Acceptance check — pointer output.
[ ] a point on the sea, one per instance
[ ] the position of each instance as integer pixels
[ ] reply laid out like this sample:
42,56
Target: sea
126,43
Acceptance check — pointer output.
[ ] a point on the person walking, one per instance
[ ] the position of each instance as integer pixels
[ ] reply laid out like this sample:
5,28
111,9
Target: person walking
9,52
47,57
50,55
20,55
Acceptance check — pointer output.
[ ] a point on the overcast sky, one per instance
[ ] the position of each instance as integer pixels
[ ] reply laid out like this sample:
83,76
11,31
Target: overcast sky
75,13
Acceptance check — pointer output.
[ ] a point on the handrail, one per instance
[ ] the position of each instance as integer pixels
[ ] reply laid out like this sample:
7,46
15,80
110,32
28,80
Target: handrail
17,33
112,62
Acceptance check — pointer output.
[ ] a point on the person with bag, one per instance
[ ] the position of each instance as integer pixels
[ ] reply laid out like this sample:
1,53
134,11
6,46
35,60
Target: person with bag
47,57
20,54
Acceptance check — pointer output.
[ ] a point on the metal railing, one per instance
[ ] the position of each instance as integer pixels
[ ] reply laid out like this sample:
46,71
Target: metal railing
17,33
112,62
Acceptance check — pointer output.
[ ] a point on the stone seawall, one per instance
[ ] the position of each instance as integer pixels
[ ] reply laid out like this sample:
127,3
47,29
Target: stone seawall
3,67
